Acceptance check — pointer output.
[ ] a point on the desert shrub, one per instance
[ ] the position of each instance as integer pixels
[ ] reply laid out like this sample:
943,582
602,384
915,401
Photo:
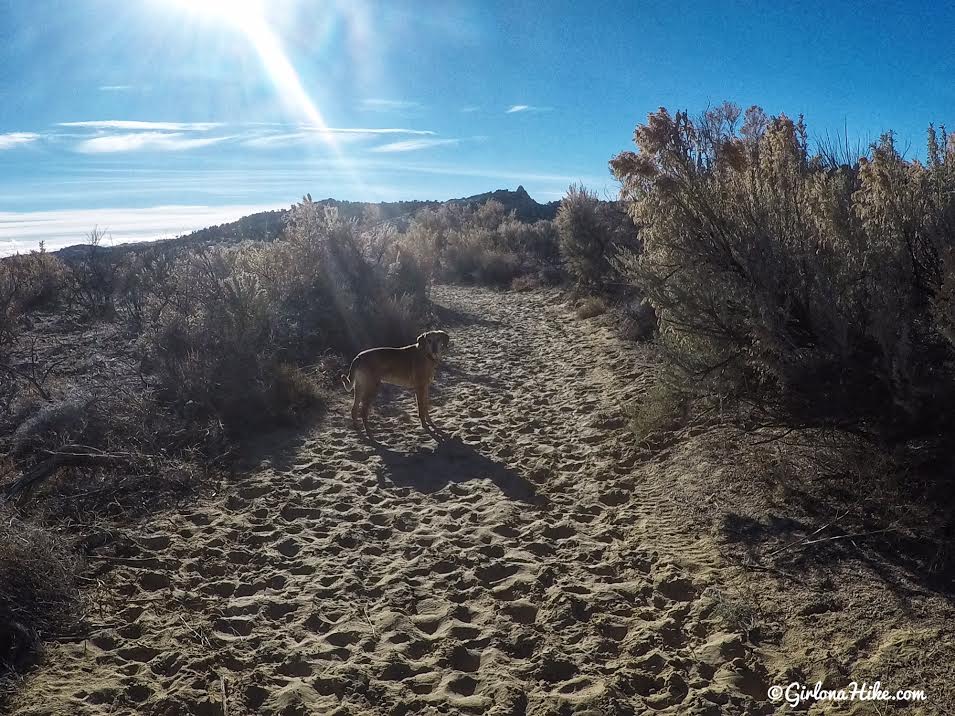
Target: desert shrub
591,232
464,254
591,307
69,418
551,275
474,255
291,395
788,282
214,350
27,282
410,275
427,235
225,340
498,268
104,449
525,283
538,242
145,286
39,597
9,310
421,248
637,320
324,287
484,244
397,319
94,277
39,279
658,413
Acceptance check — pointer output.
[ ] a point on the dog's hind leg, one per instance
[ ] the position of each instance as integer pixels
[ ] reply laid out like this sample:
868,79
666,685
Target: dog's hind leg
354,408
368,395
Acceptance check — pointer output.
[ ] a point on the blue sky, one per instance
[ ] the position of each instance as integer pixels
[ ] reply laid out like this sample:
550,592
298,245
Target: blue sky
152,117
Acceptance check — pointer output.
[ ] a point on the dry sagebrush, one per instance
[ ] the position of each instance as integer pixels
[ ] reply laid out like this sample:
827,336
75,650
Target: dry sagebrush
39,597
787,280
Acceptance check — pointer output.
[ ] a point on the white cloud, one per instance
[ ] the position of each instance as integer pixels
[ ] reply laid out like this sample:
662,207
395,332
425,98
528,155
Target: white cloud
15,139
413,145
389,105
376,131
115,88
22,231
144,141
329,135
470,108
514,108
285,139
136,124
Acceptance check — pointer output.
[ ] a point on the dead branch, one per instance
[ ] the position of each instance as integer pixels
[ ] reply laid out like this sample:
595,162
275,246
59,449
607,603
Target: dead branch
68,456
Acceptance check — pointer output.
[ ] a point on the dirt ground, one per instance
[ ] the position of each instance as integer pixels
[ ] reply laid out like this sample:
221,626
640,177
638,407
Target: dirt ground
536,562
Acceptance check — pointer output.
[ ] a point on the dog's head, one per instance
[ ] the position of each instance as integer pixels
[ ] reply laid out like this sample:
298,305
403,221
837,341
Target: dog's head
434,343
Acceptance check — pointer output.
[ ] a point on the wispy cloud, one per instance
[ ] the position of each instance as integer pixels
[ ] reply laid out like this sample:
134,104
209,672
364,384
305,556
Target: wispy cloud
115,88
337,134
514,108
389,105
284,139
470,108
144,141
374,131
413,145
15,139
136,124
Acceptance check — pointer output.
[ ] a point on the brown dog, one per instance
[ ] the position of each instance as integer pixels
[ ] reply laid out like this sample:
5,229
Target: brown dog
412,366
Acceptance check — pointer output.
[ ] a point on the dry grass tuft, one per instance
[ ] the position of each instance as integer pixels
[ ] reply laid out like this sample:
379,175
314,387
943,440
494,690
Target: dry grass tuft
591,307
39,597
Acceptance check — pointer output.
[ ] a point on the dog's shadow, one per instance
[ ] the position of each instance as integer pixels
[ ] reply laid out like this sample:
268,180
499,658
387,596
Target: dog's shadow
451,461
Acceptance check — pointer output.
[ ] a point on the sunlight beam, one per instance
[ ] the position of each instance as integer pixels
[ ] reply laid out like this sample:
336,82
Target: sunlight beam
248,17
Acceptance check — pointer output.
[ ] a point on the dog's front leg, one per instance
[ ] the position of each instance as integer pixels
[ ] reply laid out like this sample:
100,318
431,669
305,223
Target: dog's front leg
421,397
424,413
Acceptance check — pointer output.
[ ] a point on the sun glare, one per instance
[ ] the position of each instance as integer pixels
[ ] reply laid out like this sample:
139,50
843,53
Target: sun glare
241,13
249,18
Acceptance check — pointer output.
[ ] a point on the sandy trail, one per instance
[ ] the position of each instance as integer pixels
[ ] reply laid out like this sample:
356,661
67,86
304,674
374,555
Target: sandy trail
525,566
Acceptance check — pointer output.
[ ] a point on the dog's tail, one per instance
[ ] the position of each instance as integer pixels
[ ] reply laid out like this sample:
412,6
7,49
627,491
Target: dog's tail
347,381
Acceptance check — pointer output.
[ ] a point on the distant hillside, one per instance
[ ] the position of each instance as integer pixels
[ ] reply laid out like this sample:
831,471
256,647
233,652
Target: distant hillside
268,225
518,201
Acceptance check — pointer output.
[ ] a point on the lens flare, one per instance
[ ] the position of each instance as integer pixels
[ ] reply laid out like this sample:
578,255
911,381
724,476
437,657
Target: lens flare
248,17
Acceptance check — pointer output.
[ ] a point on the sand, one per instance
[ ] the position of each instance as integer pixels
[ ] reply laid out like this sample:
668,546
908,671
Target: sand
524,566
